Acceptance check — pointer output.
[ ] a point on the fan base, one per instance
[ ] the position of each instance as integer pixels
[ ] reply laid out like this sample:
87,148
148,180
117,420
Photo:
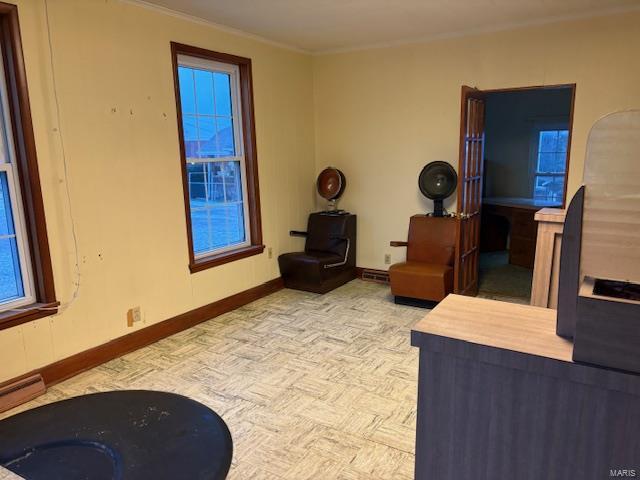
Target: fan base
438,209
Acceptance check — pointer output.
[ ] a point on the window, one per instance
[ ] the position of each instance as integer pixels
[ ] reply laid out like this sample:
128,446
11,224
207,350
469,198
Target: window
551,165
218,155
26,278
16,287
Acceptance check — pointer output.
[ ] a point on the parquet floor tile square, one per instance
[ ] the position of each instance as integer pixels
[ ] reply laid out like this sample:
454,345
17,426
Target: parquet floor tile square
311,386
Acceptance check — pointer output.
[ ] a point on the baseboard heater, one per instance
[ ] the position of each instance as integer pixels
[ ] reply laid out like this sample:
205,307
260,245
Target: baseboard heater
21,391
377,276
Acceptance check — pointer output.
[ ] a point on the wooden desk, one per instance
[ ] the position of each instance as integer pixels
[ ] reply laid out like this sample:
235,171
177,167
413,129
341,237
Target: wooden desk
521,228
500,398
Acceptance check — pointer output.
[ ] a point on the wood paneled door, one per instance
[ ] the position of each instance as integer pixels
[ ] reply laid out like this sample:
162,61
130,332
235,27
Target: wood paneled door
470,173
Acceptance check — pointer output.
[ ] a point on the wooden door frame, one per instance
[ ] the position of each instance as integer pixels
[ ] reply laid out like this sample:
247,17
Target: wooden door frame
462,141
559,86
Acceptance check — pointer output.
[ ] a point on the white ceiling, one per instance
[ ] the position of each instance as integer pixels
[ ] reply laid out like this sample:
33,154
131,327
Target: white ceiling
328,25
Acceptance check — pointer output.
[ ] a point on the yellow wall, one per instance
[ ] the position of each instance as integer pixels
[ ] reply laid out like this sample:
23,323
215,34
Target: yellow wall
382,114
117,103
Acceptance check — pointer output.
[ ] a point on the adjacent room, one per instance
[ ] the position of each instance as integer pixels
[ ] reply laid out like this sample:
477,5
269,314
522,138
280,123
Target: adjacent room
360,240
527,135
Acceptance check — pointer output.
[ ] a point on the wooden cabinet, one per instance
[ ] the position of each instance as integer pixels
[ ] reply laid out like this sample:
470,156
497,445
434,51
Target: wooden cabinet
510,223
522,249
499,397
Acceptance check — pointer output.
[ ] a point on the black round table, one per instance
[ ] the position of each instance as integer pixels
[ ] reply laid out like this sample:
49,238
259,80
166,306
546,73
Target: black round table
131,434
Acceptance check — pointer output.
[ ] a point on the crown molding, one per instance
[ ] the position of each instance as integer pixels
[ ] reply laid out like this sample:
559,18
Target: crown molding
480,31
391,44
217,26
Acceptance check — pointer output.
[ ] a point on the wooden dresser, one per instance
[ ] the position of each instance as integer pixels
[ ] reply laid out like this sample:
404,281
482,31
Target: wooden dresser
500,398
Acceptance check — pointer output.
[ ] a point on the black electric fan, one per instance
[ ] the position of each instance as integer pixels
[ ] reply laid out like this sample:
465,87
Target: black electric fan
437,181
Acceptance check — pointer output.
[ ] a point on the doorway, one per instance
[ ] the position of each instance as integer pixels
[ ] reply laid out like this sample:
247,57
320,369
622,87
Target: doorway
526,136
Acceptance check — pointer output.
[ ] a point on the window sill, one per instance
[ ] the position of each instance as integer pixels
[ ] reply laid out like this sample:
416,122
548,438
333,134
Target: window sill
226,257
26,314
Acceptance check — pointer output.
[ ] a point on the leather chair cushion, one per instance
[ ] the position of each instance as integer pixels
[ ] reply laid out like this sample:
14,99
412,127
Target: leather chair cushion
308,265
427,281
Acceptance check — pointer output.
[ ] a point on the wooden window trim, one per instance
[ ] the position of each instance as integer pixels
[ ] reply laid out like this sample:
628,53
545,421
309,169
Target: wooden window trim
27,167
251,163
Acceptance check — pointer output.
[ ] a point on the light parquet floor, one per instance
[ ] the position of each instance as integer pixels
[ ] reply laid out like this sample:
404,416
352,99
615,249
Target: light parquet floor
311,386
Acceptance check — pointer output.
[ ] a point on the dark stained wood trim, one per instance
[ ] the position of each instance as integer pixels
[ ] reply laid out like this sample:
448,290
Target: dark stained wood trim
27,165
26,314
80,362
226,257
532,87
250,152
22,391
570,126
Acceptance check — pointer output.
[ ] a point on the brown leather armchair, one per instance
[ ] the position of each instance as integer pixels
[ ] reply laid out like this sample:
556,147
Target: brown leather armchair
428,272
329,257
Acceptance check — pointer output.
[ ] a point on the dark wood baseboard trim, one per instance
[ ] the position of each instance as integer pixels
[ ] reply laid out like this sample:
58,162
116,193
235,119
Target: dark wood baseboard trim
80,362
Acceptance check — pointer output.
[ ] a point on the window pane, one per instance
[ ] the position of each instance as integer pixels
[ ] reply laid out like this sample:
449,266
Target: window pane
563,140
550,188
6,218
204,92
222,82
226,143
548,141
552,162
217,208
560,164
11,286
552,151
546,162
190,127
187,97
207,123
206,134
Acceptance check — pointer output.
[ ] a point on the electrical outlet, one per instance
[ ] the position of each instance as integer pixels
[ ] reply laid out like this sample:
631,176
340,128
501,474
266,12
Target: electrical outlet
270,252
134,315
387,259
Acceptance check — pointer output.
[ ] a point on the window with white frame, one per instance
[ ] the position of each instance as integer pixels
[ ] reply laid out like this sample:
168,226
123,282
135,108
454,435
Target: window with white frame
209,94
16,279
218,154
27,290
551,165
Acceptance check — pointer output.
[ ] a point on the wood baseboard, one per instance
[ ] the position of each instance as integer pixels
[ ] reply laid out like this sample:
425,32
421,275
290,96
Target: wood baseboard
80,362
16,393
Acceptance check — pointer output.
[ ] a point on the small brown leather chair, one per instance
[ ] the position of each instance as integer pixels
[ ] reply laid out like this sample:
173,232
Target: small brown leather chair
329,257
428,272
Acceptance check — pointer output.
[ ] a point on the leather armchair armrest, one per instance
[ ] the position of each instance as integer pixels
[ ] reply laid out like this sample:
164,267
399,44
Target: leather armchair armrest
297,233
399,244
